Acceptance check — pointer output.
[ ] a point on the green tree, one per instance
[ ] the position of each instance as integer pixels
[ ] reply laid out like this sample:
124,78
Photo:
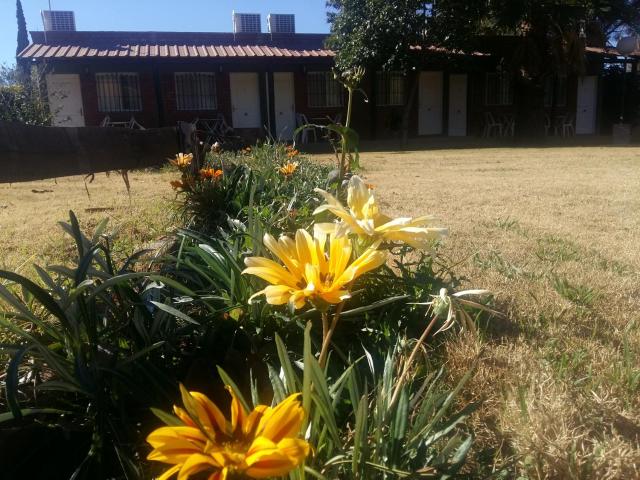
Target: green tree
378,34
23,36
532,38
21,97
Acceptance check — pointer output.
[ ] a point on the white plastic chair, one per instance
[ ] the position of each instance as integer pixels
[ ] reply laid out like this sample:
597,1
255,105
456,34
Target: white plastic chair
301,120
491,124
568,126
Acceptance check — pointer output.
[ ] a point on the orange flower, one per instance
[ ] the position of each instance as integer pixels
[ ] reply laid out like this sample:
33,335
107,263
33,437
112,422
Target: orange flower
177,184
292,153
211,174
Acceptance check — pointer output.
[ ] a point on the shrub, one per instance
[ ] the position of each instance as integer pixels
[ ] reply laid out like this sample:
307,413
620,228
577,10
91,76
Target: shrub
272,182
94,348
100,342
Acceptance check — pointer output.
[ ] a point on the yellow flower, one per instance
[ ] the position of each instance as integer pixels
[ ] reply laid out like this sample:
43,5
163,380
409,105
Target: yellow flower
288,169
308,273
260,444
182,160
364,219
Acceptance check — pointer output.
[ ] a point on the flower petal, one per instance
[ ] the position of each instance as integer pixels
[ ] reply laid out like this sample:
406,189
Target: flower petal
268,270
195,464
175,444
282,421
264,460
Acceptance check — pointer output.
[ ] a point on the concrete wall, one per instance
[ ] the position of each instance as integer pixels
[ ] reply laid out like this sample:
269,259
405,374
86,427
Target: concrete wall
33,153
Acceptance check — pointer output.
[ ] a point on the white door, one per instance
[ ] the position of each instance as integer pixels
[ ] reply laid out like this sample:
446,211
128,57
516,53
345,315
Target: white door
65,100
284,101
458,105
586,105
245,100
430,104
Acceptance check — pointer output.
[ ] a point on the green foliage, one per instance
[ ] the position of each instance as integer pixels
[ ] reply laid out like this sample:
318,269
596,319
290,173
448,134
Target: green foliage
21,97
94,342
23,36
421,434
253,189
376,33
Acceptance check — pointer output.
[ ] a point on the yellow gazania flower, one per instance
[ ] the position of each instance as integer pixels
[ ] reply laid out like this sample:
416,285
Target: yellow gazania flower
182,160
365,220
308,273
288,169
260,444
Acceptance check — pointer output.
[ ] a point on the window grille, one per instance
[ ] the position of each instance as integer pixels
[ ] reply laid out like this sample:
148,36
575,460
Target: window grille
118,92
196,91
323,90
389,88
561,90
498,89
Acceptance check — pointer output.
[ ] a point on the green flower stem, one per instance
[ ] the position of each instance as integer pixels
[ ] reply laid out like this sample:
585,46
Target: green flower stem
409,362
327,333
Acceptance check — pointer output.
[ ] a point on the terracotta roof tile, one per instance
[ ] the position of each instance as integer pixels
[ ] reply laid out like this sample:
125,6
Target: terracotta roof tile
69,45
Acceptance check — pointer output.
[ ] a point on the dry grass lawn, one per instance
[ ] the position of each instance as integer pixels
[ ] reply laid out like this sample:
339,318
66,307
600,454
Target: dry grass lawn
555,233
29,213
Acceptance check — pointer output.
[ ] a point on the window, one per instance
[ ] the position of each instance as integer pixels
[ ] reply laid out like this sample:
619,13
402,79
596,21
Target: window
196,91
323,90
561,90
118,92
498,89
389,88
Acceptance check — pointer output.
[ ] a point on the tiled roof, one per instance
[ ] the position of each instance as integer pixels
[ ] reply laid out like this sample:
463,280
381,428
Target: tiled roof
609,51
173,45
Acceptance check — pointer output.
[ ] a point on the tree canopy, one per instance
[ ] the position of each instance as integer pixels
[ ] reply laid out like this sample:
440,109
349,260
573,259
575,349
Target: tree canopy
381,32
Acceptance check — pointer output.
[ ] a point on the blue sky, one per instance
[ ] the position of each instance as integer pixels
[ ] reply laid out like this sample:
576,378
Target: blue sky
182,15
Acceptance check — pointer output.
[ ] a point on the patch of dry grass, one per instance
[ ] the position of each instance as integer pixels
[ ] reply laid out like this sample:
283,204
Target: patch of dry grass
29,213
555,233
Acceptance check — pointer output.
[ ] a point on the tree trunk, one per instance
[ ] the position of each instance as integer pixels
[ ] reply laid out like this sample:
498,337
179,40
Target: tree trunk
530,112
406,114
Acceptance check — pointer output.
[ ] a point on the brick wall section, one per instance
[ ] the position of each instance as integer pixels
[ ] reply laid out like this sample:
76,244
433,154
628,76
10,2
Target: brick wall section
147,117
369,120
171,113
302,99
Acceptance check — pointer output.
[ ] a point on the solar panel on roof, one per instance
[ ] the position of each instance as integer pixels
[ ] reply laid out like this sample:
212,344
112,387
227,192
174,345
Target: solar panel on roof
58,20
246,23
281,23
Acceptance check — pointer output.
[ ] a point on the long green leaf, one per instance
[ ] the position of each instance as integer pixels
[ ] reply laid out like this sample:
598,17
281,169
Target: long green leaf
228,381
25,412
293,383
175,312
11,383
42,296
